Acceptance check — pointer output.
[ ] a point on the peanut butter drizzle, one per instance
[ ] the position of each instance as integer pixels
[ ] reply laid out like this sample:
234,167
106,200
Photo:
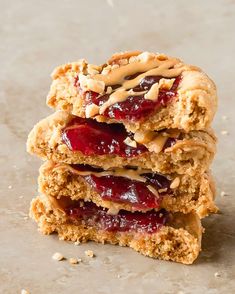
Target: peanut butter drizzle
150,65
118,172
120,95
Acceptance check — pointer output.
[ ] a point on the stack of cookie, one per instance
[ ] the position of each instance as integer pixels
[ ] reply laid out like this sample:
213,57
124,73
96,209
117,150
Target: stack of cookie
127,154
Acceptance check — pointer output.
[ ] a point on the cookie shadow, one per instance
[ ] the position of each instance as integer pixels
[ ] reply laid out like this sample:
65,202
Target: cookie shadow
218,241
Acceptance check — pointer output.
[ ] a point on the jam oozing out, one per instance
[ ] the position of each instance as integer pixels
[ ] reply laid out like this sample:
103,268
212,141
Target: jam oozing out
127,191
93,138
136,107
124,221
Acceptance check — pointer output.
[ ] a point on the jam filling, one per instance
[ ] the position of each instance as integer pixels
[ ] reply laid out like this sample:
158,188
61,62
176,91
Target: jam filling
134,107
127,191
124,221
93,138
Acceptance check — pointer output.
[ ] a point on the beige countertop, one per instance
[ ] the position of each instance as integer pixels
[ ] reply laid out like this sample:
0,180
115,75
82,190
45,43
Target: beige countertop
38,35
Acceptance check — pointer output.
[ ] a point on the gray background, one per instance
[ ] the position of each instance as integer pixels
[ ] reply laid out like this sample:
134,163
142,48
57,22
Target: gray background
35,36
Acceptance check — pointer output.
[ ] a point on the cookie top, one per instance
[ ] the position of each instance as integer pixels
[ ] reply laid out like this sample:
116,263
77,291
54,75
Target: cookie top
142,90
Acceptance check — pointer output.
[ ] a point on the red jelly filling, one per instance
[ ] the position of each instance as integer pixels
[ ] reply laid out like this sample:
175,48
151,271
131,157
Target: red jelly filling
123,190
124,221
135,107
93,138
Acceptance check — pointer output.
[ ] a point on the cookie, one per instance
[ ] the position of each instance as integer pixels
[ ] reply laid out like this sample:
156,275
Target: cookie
175,237
129,189
62,137
143,91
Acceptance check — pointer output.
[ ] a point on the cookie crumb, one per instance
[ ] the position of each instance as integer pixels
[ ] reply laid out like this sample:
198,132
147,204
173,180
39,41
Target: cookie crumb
10,187
162,190
113,211
21,196
217,275
73,260
222,194
23,291
224,132
91,110
109,90
130,142
224,117
89,253
26,217
175,183
77,243
57,256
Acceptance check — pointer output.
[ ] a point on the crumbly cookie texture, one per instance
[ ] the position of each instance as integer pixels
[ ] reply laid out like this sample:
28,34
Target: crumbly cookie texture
192,154
178,241
192,193
193,108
